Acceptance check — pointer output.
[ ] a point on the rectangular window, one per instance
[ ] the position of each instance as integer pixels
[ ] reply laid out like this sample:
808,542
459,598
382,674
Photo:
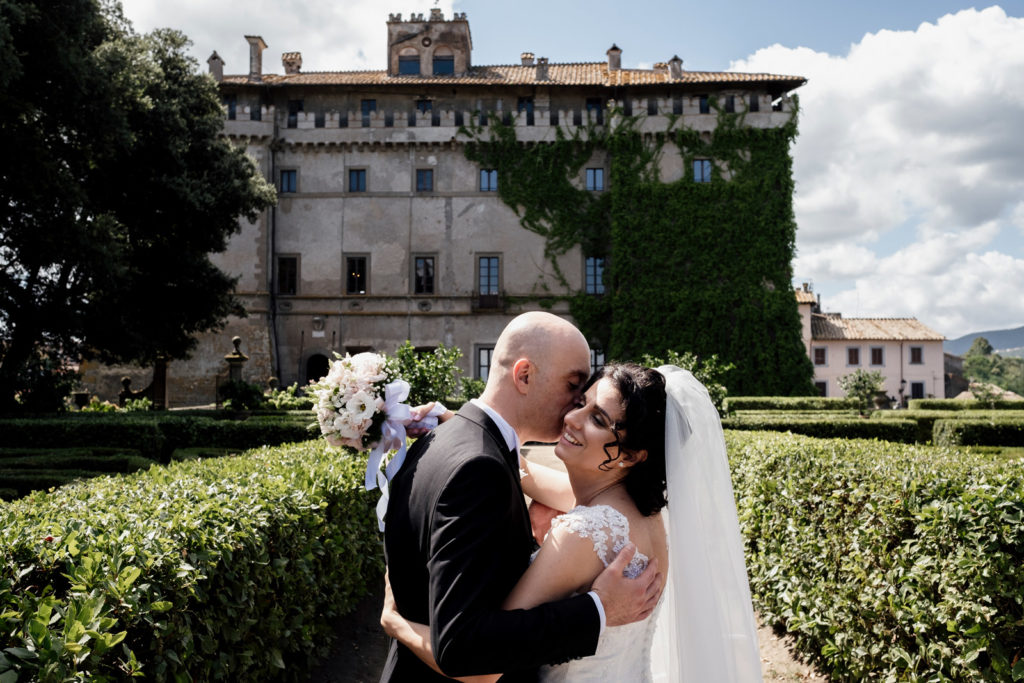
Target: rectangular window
702,170
820,356
754,103
255,113
366,107
356,275
853,355
730,104
483,361
705,104
289,180
525,105
424,106
287,275
652,106
319,119
424,180
488,180
409,65
488,272
294,107
444,65
595,179
231,102
594,283
917,355
877,355
596,360
596,104
822,388
917,390
677,105
423,275
357,180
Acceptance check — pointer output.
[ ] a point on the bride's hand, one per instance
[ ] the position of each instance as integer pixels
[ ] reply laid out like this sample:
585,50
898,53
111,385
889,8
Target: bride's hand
417,413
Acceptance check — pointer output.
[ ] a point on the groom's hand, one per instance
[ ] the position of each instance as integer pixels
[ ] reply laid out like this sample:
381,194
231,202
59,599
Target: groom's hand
627,600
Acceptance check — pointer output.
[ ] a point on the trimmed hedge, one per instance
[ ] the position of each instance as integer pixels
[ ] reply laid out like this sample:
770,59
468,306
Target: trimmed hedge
735,403
153,435
886,562
927,420
991,432
232,568
963,404
903,431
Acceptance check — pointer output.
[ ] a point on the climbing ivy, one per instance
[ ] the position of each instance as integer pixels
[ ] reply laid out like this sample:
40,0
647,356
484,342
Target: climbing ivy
699,267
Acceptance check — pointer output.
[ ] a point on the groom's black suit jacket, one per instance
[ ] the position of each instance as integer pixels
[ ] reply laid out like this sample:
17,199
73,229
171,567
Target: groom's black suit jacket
457,540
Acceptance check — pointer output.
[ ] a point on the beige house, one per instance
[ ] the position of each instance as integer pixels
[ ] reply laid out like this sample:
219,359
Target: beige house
907,352
384,230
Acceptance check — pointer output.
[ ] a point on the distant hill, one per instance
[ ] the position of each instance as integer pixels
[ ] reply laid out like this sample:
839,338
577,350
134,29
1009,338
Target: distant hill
1004,342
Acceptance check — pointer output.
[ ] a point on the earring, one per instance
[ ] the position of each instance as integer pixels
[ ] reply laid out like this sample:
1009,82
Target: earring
622,464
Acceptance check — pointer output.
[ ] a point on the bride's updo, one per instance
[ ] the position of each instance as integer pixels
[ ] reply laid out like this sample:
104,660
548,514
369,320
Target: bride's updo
641,428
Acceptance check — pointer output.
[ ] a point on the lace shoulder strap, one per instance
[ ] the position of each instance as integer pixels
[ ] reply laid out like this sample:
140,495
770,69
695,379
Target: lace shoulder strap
605,526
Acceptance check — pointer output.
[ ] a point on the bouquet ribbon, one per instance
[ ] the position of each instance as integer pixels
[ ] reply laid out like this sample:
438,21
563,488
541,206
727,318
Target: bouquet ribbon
397,416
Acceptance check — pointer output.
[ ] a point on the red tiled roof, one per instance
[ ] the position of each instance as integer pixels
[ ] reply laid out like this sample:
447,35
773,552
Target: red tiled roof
586,73
804,297
826,327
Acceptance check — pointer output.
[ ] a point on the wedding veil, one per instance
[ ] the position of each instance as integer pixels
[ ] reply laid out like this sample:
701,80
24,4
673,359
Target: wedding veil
705,627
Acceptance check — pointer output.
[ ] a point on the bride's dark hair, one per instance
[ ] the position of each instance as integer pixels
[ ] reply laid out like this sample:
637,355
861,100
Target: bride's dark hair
642,428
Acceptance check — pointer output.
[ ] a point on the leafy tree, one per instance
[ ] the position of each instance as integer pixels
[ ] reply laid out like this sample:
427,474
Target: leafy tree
432,375
862,385
115,187
983,365
710,371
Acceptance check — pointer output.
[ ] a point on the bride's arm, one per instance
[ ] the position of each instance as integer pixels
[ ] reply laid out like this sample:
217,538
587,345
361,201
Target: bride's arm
547,485
565,565
416,636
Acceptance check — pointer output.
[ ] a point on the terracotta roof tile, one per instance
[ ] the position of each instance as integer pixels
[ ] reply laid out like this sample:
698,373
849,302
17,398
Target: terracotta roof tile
585,73
826,327
803,297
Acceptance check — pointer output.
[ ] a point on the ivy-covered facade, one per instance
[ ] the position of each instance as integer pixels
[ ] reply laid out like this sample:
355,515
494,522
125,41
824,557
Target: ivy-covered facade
434,199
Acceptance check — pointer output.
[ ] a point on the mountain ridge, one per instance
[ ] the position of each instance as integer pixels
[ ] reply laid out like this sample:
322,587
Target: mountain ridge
1009,342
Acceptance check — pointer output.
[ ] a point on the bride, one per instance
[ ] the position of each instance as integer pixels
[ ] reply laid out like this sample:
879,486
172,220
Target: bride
638,438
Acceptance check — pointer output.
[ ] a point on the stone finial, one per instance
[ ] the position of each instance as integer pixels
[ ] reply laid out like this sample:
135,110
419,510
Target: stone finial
395,17
542,68
459,16
435,14
675,68
416,17
292,62
216,66
256,48
614,58
527,58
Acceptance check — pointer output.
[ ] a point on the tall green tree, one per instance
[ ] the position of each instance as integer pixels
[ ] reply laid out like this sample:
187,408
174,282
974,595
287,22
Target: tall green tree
116,186
982,364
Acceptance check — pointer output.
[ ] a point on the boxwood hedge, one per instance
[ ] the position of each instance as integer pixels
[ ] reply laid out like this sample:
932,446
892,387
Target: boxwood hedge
886,562
825,426
734,403
225,569
963,404
991,432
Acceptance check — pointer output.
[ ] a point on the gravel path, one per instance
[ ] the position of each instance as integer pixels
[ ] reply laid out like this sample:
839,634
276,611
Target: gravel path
362,646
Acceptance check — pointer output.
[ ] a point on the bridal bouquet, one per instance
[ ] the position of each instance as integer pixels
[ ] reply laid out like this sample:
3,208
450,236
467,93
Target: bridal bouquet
360,404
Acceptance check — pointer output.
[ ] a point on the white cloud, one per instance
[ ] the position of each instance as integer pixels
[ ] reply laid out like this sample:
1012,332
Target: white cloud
331,35
910,169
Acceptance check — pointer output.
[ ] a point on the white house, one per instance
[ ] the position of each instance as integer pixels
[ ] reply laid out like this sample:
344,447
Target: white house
907,352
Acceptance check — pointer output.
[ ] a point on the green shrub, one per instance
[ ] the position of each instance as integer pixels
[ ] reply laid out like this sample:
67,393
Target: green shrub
737,403
239,395
862,385
710,371
991,432
432,375
288,398
886,562
963,404
826,426
223,569
472,387
138,405
95,405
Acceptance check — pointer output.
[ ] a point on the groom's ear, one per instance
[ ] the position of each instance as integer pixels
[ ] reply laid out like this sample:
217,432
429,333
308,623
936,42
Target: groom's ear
522,374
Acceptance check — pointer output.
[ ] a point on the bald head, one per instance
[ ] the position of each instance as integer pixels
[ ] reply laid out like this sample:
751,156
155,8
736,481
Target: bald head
539,364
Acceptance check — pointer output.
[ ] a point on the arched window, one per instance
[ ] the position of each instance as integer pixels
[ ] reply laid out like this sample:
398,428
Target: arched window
409,62
317,366
444,61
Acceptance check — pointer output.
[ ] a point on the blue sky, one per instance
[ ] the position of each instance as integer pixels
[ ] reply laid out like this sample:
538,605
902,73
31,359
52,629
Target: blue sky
910,160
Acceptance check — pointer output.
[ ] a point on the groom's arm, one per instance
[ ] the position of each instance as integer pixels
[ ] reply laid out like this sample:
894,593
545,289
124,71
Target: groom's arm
476,536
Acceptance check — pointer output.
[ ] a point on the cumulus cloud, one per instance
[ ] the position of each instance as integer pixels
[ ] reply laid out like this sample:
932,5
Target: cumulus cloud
913,131
332,36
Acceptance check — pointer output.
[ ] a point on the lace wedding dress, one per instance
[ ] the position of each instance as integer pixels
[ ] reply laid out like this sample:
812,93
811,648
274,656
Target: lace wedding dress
623,652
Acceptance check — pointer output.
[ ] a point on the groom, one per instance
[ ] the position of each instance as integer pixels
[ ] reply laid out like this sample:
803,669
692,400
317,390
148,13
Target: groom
458,536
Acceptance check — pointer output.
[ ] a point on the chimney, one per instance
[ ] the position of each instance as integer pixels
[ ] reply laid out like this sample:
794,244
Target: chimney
216,66
542,68
292,62
675,68
614,58
435,14
805,287
256,48
660,68
527,58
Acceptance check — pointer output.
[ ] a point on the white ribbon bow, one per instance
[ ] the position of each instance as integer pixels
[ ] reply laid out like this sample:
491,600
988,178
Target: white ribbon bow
392,438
